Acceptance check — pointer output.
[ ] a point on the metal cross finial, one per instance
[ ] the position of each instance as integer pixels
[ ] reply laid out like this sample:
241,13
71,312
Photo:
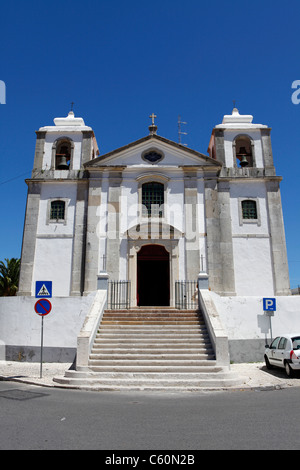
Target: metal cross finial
234,103
72,104
153,116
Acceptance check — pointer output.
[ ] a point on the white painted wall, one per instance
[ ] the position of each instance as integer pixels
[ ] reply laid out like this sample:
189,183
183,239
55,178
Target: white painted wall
53,262
243,316
51,191
253,266
54,242
21,326
251,242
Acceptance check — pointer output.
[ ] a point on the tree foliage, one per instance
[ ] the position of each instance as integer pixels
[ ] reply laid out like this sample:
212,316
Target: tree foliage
9,276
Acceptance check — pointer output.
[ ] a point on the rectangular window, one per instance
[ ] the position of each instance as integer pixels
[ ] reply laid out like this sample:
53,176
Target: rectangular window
57,211
249,209
152,199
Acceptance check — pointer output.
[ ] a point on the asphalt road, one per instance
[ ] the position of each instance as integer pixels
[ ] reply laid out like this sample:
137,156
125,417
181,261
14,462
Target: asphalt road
34,418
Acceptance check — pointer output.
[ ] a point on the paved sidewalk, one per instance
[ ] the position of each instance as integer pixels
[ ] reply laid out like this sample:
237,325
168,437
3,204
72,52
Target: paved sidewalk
253,376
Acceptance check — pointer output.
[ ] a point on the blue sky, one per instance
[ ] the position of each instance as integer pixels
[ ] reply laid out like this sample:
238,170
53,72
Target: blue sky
119,61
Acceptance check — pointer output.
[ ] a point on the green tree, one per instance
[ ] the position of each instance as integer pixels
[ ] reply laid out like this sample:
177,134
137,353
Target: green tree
9,276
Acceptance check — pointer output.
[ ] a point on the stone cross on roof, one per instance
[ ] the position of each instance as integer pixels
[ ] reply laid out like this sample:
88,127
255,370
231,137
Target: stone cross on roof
153,127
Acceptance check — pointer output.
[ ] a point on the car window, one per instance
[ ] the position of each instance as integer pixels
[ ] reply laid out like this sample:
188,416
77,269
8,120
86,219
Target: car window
296,342
282,343
274,343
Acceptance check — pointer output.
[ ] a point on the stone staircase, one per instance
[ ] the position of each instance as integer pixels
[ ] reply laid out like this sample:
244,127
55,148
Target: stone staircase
151,349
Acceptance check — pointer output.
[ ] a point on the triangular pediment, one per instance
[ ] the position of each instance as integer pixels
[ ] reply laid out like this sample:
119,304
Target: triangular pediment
152,150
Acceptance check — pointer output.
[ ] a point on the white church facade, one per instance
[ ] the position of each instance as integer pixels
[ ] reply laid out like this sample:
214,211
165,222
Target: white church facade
152,225
155,212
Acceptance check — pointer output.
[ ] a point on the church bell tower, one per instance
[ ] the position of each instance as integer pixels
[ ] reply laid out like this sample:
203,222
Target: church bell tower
250,245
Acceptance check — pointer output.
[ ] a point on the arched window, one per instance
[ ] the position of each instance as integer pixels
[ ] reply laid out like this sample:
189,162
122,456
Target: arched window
249,209
63,155
243,152
57,210
153,199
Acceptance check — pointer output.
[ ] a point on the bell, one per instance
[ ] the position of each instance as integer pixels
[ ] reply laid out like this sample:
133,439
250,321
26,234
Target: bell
62,163
243,153
244,161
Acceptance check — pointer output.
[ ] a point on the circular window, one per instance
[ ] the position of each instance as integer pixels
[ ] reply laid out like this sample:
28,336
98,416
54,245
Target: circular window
152,156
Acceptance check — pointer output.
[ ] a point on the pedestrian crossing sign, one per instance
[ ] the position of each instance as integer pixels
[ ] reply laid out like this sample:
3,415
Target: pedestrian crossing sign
43,289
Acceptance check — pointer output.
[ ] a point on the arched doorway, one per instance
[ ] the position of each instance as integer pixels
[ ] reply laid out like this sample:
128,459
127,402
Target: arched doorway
153,276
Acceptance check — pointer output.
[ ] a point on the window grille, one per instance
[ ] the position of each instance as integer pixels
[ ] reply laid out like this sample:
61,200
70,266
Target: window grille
57,210
249,209
152,199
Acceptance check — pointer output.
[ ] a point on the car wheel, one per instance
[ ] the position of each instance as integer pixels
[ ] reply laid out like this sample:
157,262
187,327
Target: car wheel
268,365
289,371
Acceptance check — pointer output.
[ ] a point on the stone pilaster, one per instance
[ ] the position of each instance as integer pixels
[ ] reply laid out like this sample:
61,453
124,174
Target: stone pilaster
226,246
267,152
220,146
39,152
29,238
192,251
113,225
79,243
219,237
277,238
214,266
86,151
92,239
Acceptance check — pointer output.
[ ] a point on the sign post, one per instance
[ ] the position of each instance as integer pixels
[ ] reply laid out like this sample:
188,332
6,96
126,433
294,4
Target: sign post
42,308
269,306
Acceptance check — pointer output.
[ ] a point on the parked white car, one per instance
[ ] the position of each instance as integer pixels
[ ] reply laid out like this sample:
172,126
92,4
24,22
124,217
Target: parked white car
284,351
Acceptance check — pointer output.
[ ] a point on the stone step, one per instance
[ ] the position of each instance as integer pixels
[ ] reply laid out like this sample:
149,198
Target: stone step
156,317
175,368
150,335
134,376
150,361
168,334
138,343
165,313
145,337
151,332
152,310
144,343
169,327
148,381
146,322
133,356
151,351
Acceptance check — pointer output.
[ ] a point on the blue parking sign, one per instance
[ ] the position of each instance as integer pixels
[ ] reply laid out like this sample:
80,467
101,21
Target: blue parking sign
269,305
43,289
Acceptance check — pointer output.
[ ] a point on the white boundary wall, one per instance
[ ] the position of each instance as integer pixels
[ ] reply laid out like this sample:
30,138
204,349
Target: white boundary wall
243,320
20,328
247,326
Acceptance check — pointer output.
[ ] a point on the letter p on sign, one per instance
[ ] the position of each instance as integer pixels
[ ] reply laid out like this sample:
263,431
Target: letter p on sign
269,305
